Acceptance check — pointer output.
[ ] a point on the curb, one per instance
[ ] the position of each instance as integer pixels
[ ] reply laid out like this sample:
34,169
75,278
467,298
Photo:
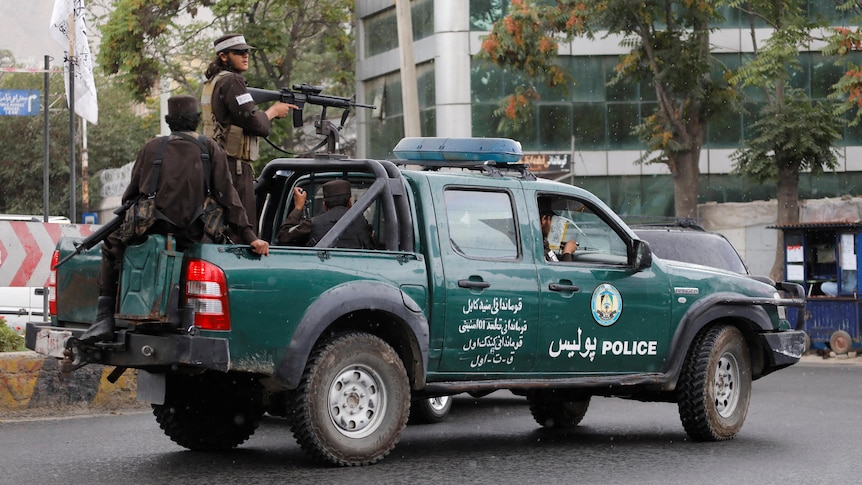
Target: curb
32,385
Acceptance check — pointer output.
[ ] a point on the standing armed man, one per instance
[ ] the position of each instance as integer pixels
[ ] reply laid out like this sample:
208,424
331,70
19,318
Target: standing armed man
231,117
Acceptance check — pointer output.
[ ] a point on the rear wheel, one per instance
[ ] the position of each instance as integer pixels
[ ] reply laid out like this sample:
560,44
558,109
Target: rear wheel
353,401
715,385
430,410
210,411
557,412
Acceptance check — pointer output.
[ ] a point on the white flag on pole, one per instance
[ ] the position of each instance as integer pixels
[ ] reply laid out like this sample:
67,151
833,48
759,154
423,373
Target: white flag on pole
61,29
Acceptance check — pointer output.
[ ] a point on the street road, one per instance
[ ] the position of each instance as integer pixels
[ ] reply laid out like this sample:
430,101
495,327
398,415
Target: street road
802,428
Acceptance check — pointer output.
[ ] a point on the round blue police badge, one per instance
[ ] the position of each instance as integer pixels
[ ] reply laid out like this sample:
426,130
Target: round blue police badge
606,305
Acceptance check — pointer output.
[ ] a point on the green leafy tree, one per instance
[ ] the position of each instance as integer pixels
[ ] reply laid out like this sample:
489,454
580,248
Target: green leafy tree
297,41
792,132
113,142
669,43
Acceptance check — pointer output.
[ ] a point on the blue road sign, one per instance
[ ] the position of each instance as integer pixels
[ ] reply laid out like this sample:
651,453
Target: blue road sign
19,102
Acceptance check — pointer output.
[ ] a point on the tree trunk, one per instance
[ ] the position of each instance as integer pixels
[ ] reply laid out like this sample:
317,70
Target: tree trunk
686,185
787,211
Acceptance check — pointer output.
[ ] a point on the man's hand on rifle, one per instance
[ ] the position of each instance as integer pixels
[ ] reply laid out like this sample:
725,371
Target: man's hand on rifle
279,110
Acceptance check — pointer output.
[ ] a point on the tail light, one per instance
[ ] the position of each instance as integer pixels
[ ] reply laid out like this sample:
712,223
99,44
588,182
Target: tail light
206,292
52,284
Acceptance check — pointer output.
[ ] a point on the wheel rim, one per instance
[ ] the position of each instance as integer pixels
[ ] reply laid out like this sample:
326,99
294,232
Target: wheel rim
438,403
357,401
725,385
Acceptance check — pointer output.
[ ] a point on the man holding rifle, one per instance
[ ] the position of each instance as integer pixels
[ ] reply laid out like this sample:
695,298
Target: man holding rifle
231,117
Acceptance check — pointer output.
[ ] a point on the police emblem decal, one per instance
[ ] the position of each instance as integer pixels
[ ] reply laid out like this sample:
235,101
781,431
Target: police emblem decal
606,304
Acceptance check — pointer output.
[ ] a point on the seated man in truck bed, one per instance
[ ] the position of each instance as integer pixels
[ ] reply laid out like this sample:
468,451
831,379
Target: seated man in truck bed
298,230
178,188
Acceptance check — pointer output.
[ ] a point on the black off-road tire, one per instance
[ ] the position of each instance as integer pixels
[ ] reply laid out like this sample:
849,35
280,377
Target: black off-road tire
211,411
353,401
715,385
430,410
276,404
552,411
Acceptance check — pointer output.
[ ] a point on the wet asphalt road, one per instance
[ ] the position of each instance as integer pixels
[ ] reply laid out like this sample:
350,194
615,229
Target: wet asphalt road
803,426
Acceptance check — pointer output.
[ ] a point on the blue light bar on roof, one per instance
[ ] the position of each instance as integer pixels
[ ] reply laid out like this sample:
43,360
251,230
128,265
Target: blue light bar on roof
459,149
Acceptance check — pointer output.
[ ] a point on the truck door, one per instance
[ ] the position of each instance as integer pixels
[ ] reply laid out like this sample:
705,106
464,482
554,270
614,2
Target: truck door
596,311
491,289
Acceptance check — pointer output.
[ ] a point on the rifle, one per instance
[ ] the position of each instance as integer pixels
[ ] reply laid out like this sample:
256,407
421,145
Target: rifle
307,94
101,234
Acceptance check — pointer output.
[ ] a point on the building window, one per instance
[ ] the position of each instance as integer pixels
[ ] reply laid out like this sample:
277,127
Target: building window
381,30
385,125
483,14
602,117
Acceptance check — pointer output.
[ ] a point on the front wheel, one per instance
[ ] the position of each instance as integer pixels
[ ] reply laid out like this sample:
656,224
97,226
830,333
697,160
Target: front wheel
715,385
353,401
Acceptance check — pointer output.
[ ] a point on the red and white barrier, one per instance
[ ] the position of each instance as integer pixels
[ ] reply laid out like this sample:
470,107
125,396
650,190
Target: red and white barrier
26,249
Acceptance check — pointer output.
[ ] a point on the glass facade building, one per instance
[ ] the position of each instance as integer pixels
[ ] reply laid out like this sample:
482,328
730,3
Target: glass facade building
588,122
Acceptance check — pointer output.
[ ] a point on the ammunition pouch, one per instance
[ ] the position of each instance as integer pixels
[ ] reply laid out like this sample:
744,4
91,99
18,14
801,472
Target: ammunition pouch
139,218
213,218
237,144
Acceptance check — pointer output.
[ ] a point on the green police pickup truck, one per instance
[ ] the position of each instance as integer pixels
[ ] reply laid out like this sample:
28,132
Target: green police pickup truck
460,294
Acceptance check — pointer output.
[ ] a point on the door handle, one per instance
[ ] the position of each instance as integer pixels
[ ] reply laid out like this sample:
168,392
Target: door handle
473,284
562,287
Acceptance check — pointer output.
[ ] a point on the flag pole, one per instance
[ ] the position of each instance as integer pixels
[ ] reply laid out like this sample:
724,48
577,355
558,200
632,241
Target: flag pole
73,191
46,168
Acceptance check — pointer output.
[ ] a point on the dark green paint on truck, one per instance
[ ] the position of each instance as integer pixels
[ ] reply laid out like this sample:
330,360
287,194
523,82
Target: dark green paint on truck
457,297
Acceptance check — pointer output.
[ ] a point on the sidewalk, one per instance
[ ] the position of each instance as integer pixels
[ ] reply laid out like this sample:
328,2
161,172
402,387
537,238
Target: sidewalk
832,359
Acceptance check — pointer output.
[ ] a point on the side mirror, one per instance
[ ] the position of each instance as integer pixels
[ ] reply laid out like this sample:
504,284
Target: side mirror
643,255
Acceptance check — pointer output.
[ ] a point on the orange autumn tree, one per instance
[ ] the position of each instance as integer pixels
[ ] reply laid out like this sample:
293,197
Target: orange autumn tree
844,42
669,42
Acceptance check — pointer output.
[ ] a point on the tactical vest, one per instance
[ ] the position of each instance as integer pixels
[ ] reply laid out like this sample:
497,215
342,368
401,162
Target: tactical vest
231,137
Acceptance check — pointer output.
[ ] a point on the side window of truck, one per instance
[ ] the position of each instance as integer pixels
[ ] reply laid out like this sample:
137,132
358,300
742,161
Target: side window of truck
572,219
481,224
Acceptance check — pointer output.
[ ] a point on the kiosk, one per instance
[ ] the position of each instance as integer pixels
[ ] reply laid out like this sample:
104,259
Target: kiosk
824,257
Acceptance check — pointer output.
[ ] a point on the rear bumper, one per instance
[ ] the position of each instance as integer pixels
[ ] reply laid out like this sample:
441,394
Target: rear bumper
786,348
141,351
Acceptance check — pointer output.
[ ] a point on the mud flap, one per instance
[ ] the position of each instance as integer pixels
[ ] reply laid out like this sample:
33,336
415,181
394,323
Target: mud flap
151,387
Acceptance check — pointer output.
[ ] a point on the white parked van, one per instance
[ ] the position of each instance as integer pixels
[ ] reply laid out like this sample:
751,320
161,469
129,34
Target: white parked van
19,305
21,217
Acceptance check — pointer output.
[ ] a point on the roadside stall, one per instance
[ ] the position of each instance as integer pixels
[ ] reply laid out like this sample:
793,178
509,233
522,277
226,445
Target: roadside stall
824,257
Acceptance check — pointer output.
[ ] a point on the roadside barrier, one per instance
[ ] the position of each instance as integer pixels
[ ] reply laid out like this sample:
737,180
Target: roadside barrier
32,385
